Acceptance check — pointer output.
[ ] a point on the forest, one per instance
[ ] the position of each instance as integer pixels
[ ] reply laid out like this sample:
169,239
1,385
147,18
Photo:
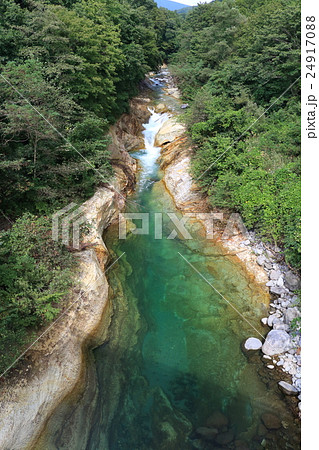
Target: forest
237,64
77,63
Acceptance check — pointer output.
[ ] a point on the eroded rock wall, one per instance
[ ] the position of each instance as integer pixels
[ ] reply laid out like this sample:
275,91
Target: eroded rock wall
56,369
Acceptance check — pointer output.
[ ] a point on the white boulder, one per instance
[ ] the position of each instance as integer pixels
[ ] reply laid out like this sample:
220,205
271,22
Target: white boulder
170,130
277,342
252,344
287,388
275,275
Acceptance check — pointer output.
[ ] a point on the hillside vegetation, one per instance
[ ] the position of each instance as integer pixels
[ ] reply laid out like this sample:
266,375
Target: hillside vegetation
77,63
68,70
238,65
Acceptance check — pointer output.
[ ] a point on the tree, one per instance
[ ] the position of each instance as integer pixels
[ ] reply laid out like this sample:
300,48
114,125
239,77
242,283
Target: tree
42,149
35,278
230,68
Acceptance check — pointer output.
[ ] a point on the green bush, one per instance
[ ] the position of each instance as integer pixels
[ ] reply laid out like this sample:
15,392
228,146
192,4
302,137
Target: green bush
234,59
35,279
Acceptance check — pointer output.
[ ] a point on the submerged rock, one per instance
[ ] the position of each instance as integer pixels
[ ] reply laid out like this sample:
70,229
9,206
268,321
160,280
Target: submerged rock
271,421
277,341
241,445
161,108
217,420
252,343
207,433
225,438
169,426
262,430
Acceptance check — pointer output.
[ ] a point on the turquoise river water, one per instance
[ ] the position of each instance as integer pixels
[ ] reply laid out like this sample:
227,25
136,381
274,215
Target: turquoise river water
173,356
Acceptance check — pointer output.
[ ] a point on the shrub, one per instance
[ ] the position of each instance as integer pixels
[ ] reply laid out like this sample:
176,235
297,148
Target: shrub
35,278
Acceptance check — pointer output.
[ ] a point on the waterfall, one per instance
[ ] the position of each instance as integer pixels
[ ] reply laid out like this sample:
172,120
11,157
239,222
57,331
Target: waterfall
149,155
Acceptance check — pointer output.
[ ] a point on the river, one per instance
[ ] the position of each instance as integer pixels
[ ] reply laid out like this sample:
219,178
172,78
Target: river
173,357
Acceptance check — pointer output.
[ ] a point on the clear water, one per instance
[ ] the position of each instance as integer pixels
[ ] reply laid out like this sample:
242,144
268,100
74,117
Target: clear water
173,352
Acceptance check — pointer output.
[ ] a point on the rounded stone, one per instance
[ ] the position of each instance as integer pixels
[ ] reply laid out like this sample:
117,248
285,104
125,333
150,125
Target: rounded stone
260,260
292,281
277,290
280,326
207,433
273,319
271,421
287,388
290,314
225,438
252,343
217,420
277,342
275,274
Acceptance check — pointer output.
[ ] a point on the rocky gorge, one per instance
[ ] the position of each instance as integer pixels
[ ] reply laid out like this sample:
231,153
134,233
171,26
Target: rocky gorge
63,388
56,368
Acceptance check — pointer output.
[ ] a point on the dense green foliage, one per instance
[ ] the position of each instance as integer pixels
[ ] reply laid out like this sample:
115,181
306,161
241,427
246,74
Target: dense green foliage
72,65
35,276
235,59
68,69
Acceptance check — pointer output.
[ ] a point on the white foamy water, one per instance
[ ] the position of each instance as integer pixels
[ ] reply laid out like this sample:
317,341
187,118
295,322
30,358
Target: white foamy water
149,155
